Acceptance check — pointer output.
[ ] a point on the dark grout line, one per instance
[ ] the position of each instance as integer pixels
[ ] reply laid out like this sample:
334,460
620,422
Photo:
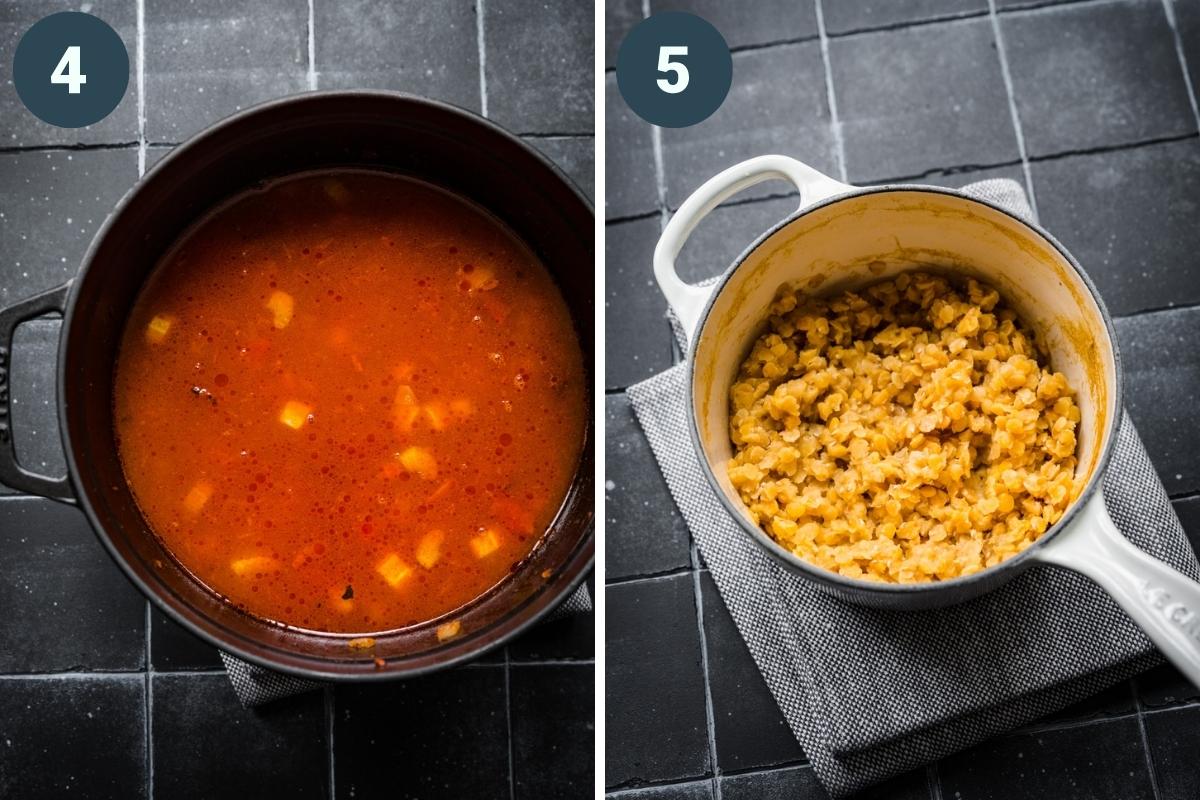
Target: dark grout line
1190,494
1013,112
658,576
756,46
835,123
481,46
1169,11
1113,148
800,763
938,172
557,135
1141,312
149,709
709,714
512,778
1141,720
67,148
632,217
638,785
73,675
556,662
913,23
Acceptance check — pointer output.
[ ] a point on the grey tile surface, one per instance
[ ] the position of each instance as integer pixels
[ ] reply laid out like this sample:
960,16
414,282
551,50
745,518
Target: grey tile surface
1099,760
1162,388
694,790
645,533
407,45
656,728
923,98
722,236
620,16
749,728
553,735
1095,75
67,607
174,649
631,186
206,60
1187,25
777,104
842,16
207,746
540,77
1129,217
575,155
51,204
20,128
73,737
770,20
637,337
1173,739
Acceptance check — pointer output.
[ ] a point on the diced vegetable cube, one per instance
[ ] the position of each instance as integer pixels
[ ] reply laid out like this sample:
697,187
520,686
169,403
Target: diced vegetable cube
406,407
253,565
361,643
476,279
436,414
281,305
295,414
198,496
341,599
157,330
393,570
449,630
429,550
420,461
485,543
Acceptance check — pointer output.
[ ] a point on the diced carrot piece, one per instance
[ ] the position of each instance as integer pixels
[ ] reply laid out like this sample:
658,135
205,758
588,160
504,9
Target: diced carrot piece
462,408
420,461
281,305
198,496
436,414
253,565
339,601
486,543
157,330
295,414
449,630
515,515
336,190
476,279
406,407
429,550
393,570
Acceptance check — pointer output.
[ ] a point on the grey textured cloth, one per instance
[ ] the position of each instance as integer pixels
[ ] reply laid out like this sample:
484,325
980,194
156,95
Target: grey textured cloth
935,681
256,686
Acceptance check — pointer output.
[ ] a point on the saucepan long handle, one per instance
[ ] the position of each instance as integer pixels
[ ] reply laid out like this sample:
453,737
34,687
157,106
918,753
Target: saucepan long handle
688,300
11,471
1162,601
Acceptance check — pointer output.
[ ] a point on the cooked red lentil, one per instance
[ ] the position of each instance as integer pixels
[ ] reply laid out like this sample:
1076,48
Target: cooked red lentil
910,431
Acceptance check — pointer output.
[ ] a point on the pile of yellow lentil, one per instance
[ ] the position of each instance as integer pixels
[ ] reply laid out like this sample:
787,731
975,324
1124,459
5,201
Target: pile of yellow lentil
910,431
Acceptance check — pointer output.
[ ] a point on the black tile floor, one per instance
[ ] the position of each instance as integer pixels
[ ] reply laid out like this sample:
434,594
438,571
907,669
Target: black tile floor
103,697
1085,103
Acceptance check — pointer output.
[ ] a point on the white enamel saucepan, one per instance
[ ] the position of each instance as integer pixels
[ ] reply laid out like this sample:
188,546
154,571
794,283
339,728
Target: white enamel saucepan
842,237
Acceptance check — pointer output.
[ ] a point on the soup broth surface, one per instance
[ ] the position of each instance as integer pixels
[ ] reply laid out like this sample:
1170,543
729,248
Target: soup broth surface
350,402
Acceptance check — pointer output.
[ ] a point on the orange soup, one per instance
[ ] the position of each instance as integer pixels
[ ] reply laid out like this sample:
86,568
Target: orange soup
350,402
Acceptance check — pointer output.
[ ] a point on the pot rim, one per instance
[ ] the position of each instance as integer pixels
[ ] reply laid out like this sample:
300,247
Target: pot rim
855,588
577,565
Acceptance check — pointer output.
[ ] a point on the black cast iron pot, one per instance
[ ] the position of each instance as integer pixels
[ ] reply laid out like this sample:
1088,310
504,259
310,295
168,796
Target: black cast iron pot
439,143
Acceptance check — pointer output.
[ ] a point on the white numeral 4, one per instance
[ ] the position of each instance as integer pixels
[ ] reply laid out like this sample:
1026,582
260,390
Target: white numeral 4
68,72
665,64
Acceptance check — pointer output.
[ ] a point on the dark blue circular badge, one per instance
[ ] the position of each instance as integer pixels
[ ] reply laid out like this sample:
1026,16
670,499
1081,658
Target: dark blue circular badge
674,69
71,69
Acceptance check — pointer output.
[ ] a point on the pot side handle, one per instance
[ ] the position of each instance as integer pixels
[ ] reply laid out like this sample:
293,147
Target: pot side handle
11,471
688,300
1163,602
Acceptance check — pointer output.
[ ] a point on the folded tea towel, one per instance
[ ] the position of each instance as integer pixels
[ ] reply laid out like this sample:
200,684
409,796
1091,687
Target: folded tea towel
256,686
935,681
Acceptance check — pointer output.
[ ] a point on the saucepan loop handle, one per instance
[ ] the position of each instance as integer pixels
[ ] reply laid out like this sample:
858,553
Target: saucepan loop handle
11,472
688,300
1162,601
